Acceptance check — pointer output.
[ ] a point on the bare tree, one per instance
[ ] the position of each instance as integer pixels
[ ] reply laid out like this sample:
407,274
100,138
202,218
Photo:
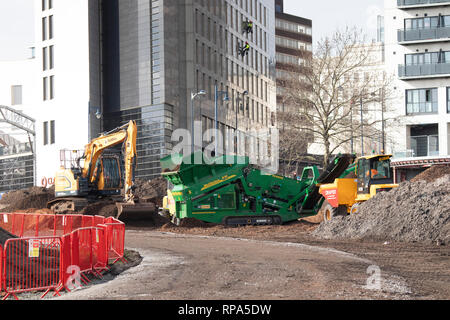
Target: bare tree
342,78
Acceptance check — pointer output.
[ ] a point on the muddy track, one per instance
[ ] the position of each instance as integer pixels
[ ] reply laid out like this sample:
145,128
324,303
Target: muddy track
179,266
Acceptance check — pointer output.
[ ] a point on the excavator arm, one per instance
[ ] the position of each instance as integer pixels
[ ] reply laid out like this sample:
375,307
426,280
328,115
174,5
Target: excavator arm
125,134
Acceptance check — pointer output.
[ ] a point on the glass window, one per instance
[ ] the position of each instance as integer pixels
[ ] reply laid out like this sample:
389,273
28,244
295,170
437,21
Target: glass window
45,133
380,170
52,132
421,101
448,99
16,95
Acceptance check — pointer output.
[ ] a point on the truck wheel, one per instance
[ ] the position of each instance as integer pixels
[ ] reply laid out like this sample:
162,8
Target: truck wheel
329,212
355,208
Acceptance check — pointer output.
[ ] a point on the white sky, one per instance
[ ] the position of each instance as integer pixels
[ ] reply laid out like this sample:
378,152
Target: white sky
329,15
16,20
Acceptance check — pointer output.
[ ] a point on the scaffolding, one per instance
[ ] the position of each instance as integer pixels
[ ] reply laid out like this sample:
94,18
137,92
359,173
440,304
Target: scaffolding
17,150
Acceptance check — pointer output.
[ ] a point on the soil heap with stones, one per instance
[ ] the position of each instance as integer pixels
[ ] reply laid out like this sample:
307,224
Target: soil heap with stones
34,199
416,211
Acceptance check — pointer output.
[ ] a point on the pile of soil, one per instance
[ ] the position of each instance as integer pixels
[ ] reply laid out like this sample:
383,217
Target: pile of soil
289,230
34,197
152,190
432,173
416,211
105,208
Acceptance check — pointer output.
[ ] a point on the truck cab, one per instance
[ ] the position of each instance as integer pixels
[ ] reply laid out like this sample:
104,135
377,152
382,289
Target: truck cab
374,175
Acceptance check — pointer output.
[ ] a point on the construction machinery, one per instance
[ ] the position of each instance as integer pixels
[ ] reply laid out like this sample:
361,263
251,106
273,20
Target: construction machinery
371,175
228,190
100,175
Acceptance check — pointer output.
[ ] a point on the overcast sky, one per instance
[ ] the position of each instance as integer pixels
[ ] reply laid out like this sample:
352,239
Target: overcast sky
329,15
16,20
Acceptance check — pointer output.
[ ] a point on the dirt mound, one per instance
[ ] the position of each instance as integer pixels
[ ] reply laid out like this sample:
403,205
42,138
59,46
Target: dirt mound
34,197
414,212
152,190
432,173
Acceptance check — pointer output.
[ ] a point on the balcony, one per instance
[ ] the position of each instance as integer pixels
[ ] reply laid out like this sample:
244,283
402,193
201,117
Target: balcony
411,36
410,4
421,71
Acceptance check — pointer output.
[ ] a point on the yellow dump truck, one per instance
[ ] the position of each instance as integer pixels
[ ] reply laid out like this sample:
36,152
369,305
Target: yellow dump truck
373,175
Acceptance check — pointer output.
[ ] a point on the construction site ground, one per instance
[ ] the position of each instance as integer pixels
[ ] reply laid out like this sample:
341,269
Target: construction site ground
403,236
264,263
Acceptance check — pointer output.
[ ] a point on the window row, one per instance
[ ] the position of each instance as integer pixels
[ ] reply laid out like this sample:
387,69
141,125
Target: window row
211,59
421,101
221,8
220,35
247,81
427,22
427,58
293,27
424,101
293,44
289,59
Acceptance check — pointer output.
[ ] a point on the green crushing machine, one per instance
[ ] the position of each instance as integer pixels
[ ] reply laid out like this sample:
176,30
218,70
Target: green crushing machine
229,190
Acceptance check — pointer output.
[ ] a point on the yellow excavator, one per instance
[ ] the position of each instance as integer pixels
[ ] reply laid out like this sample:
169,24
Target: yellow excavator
100,177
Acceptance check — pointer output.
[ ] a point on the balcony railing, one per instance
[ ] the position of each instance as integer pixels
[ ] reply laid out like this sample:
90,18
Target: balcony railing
424,70
430,34
405,3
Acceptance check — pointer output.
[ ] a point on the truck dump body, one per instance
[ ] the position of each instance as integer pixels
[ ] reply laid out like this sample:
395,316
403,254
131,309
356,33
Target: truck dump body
229,190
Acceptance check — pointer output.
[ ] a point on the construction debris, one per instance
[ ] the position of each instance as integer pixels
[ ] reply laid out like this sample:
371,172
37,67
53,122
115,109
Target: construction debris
416,211
432,173
31,198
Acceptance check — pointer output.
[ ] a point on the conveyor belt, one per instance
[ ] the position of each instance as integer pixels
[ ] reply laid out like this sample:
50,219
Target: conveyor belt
334,170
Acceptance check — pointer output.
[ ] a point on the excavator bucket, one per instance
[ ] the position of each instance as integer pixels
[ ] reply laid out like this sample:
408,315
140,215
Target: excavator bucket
135,212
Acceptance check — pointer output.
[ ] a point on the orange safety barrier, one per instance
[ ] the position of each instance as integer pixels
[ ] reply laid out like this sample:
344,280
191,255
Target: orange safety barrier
55,249
31,265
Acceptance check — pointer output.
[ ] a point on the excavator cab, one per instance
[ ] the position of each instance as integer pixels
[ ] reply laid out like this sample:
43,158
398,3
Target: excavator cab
99,175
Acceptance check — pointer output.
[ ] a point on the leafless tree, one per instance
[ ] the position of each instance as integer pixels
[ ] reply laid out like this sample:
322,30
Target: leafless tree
342,78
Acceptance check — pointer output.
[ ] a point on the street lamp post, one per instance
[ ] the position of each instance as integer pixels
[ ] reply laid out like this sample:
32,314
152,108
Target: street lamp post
238,100
216,111
193,96
362,127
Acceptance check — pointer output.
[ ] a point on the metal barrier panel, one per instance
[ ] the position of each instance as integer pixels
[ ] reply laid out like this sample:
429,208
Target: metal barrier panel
31,264
85,249
1,268
115,240
43,263
6,222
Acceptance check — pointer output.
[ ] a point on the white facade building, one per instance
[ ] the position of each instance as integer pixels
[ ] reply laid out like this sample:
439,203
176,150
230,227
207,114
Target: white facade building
417,48
63,81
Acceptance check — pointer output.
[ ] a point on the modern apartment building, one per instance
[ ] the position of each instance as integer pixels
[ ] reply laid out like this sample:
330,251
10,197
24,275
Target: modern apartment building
417,49
101,63
293,38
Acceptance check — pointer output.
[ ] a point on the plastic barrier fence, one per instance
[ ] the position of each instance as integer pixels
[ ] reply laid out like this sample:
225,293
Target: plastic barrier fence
55,252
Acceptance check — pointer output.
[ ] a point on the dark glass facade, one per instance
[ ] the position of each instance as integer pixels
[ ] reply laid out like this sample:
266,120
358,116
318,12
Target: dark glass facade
155,126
